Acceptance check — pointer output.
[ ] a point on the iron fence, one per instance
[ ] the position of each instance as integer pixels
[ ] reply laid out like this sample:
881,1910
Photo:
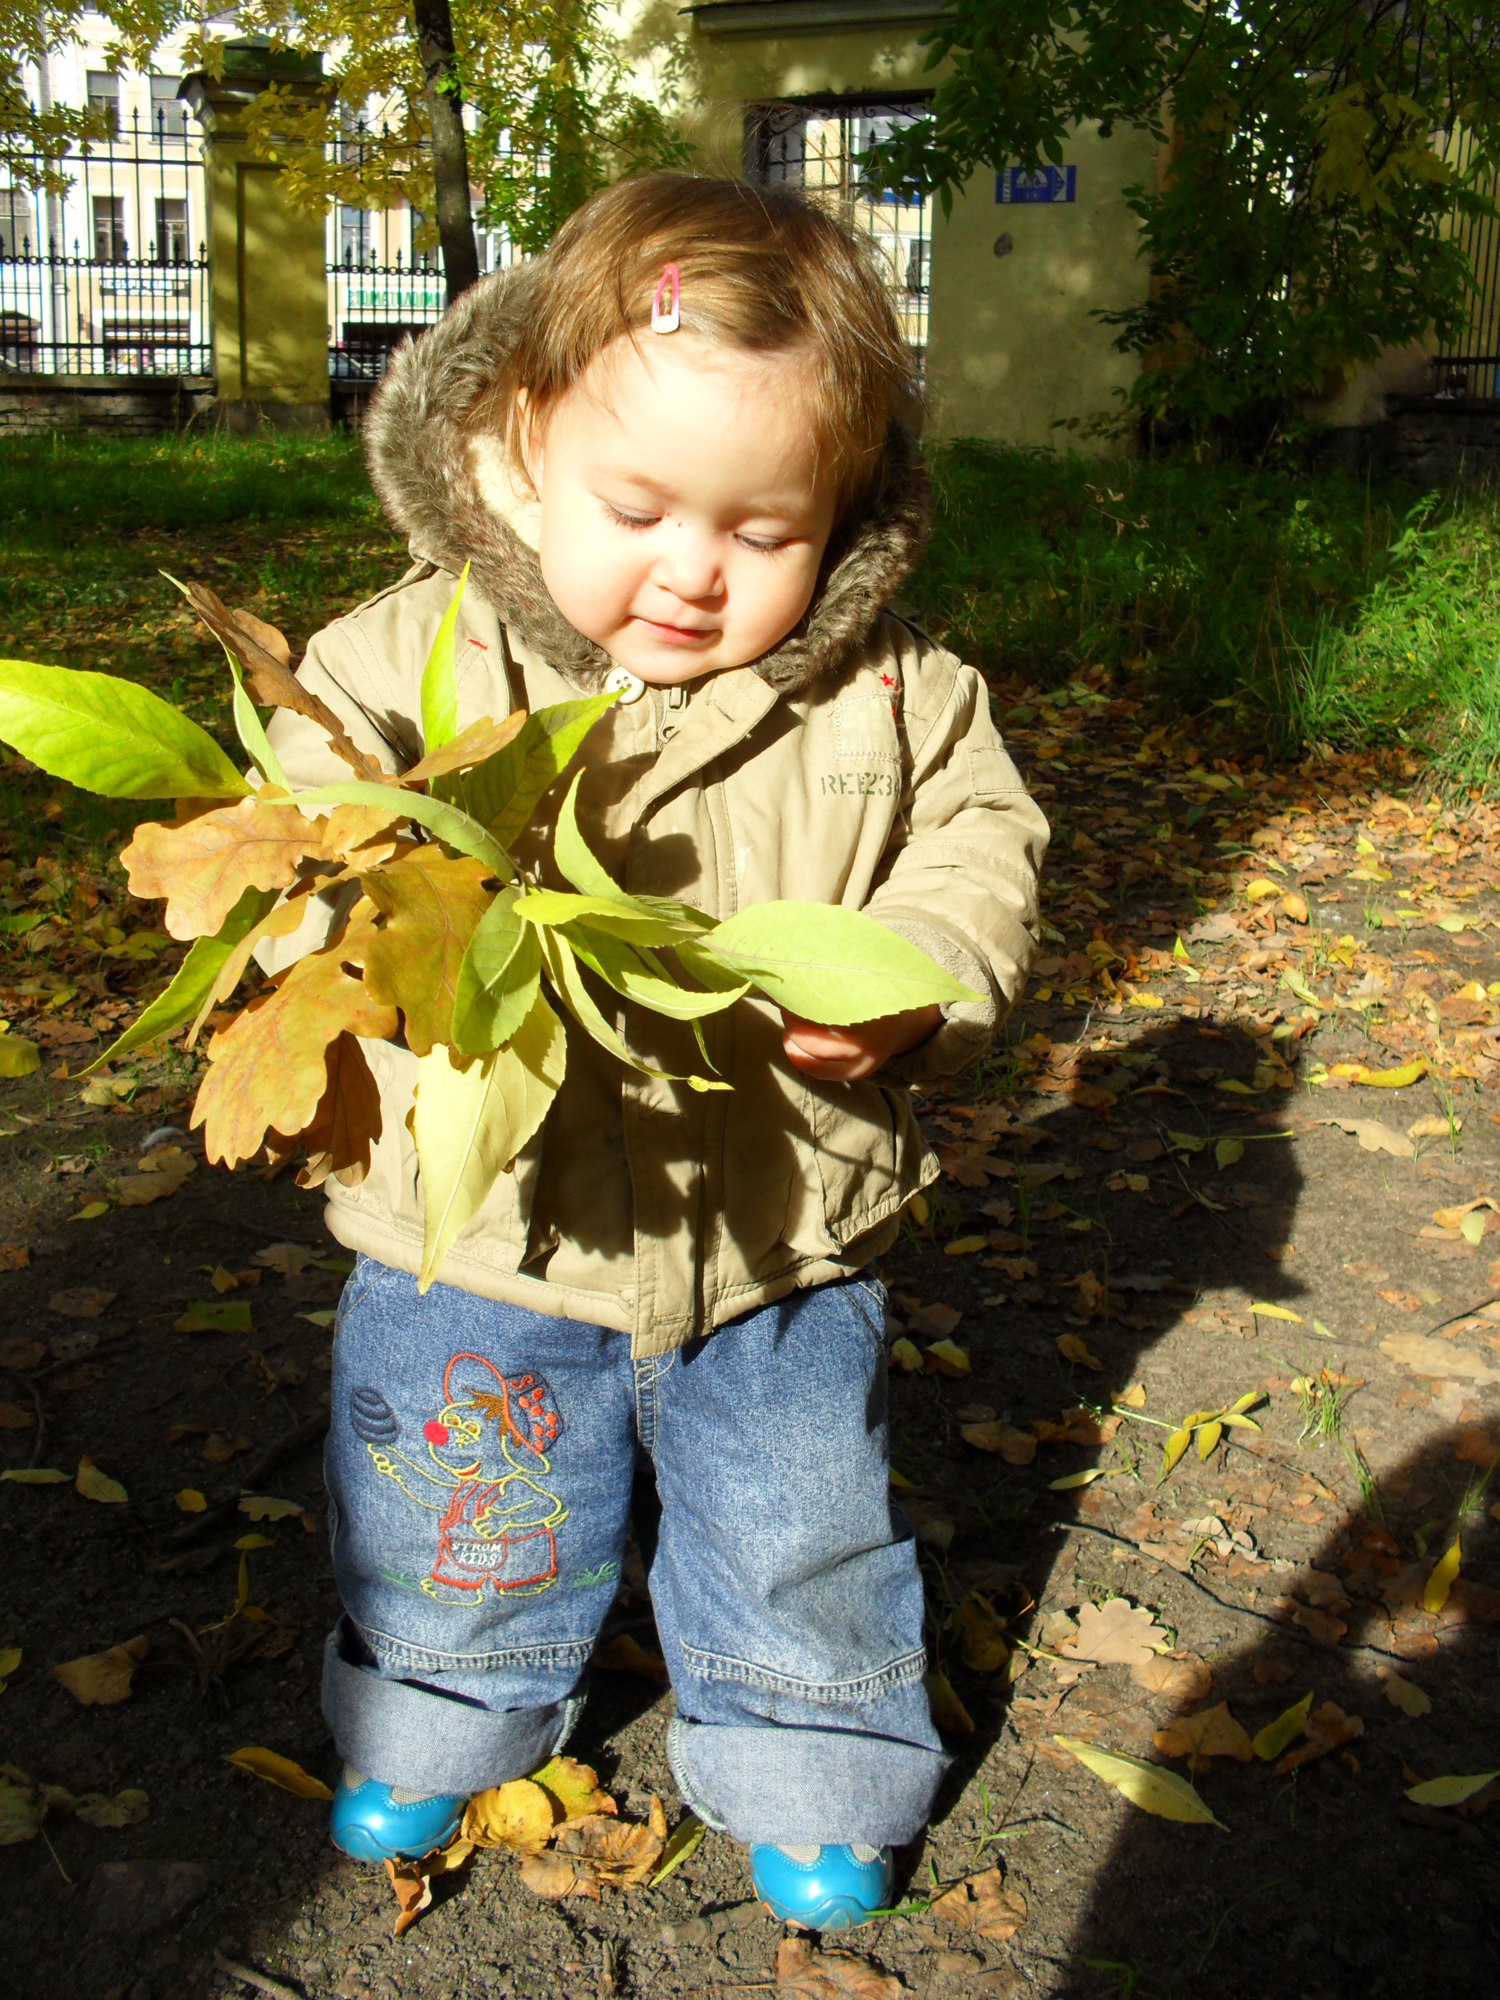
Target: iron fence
102,276
1464,369
818,146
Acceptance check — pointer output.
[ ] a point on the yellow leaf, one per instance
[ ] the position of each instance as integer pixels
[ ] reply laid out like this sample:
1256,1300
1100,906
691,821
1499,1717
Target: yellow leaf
573,1787
1016,1447
279,1770
965,1246
35,1475
1228,1152
190,1501
127,1808
516,1815
1258,890
1449,1791
430,905
1071,1348
470,1124
1383,1079
10,1659
906,1355
944,1358
1144,999
18,1057
1442,1579
1134,1397
1145,1785
248,1542
948,1712
101,1679
1071,1479
90,1212
261,1507
1208,1437
1273,1739
1276,1312
684,1843
96,1485
1294,906
1403,1694
920,1212
1176,1444
1180,952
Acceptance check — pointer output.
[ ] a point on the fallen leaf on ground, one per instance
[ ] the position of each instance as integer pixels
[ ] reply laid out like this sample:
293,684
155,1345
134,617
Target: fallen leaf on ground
624,1655
280,1771
413,1889
127,1808
1264,1310
684,1843
35,1475
16,1417
1374,1137
805,1974
552,1878
937,1321
1273,1739
22,1355
981,1634
1440,1359
982,1903
1431,1128
1145,1785
190,1501
1382,1079
96,1485
518,1815
948,1712
85,1303
1327,1728
1212,1732
261,1507
1071,1348
1015,1447
573,1788
1444,1574
1449,1791
1116,1633
1404,1694
944,1358
621,1853
98,1680
10,1659
209,1316
1187,1679
90,1212
1134,1398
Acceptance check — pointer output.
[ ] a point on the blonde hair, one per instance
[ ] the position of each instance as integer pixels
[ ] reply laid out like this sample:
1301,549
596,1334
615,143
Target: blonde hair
760,269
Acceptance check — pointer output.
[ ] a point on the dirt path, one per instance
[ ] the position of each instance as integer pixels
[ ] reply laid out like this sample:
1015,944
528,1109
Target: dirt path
1146,1161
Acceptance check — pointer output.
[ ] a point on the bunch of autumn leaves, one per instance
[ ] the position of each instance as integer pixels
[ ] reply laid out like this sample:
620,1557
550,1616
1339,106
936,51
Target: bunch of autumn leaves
428,931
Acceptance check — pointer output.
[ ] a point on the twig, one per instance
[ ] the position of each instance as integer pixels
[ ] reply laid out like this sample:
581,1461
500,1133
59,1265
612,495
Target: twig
253,1978
217,1517
1478,1306
1276,1625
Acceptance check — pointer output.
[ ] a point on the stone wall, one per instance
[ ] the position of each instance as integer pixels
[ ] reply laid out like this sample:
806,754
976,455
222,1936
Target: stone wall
125,405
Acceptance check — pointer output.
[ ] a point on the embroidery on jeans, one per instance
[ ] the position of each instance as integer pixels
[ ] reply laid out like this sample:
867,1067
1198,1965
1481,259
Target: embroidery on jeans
481,1474
587,1579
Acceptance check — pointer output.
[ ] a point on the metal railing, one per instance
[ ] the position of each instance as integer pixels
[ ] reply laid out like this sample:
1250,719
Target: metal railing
374,306
101,276
1464,370
818,146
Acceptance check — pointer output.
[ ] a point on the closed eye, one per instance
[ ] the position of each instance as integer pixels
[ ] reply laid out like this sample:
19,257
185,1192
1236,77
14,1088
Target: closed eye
762,547
624,520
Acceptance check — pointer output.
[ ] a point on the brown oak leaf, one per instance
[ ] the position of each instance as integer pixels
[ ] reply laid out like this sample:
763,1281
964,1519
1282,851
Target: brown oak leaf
1327,1728
203,867
982,1903
429,906
1116,1633
805,1974
1212,1732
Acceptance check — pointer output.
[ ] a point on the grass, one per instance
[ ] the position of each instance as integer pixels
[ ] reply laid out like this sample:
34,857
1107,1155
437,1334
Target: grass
1284,606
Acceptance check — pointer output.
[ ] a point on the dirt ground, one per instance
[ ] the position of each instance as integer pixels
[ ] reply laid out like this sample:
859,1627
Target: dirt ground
1153,1154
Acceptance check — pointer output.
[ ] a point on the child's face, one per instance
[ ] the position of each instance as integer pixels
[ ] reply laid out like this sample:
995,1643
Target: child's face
683,516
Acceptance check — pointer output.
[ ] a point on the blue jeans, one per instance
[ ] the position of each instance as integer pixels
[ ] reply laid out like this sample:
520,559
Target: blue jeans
480,1462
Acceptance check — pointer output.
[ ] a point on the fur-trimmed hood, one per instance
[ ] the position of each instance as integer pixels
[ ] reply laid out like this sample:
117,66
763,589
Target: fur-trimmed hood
453,494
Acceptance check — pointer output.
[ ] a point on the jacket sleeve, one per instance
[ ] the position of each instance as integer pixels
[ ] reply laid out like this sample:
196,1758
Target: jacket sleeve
960,875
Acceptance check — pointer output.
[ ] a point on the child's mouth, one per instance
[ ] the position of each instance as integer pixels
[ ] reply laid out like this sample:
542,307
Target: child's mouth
677,635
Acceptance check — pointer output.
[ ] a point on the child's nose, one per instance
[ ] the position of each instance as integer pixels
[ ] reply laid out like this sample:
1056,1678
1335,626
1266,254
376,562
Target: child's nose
689,566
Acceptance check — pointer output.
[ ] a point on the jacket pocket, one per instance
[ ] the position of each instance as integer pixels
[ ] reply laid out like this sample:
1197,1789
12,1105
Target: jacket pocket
869,1155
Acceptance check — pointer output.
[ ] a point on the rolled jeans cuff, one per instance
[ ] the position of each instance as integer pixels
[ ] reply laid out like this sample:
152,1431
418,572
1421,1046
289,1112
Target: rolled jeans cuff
425,1740
804,1787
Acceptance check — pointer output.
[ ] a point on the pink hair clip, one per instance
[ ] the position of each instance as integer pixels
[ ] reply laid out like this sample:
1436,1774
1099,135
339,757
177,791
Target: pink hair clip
668,319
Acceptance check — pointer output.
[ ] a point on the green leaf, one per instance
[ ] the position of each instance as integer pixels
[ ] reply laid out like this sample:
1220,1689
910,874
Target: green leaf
1229,1152
824,962
470,1123
1450,1791
643,920
194,979
109,736
576,858
439,682
684,1843
562,970
502,793
251,732
639,975
497,981
450,823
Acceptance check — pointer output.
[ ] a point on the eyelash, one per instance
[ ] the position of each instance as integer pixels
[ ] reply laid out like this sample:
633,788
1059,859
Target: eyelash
638,523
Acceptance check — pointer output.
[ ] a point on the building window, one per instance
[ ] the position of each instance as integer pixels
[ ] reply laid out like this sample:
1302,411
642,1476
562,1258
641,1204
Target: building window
356,235
19,235
110,246
104,97
171,231
166,113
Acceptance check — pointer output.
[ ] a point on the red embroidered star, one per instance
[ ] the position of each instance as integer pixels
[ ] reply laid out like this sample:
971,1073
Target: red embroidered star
887,681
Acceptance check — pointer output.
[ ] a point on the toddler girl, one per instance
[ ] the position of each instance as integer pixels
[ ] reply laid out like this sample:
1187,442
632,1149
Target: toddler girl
676,453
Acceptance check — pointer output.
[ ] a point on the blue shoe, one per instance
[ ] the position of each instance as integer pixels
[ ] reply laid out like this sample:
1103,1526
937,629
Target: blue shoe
823,1888
374,1822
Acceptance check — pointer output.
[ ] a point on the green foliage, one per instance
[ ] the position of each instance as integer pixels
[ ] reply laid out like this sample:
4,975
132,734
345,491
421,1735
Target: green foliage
109,736
1298,224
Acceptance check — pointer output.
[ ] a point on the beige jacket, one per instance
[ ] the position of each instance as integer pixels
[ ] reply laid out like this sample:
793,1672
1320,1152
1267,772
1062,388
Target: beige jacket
851,766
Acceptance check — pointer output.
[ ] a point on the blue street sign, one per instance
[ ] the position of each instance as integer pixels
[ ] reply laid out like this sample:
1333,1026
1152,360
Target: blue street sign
1014,185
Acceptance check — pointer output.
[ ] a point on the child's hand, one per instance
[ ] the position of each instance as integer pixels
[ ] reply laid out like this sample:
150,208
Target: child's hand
843,1055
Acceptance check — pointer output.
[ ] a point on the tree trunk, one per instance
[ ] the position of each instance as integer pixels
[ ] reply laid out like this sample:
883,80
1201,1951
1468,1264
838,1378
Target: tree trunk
433,25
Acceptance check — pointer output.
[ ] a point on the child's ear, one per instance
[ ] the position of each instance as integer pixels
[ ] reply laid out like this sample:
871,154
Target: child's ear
529,439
